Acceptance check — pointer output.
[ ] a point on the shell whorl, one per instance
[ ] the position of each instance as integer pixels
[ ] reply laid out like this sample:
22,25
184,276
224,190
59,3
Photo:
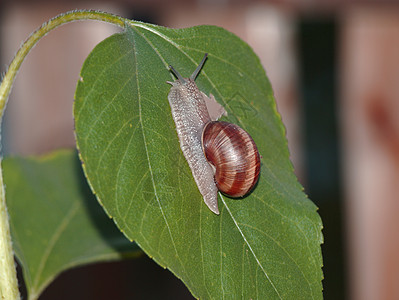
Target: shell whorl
234,155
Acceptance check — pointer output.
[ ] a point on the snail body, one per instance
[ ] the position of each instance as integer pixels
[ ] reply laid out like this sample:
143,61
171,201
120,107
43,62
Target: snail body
221,156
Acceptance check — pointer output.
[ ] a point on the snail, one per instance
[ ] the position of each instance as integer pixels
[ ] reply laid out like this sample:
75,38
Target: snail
221,155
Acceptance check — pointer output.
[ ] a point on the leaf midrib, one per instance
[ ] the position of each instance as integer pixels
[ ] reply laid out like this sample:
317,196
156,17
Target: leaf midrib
148,156
52,242
250,248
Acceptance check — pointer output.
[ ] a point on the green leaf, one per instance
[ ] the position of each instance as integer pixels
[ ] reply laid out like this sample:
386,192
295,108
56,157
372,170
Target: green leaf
56,223
264,246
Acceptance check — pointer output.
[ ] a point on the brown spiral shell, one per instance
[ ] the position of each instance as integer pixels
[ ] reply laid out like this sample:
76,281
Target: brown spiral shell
234,155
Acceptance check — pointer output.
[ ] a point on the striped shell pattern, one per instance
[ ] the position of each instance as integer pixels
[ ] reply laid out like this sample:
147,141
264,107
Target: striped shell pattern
234,156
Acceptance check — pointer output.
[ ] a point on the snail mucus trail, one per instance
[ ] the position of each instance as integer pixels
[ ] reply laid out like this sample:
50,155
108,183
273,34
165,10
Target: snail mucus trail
222,156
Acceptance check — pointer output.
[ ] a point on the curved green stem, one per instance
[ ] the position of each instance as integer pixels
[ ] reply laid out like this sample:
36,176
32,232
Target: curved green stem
8,279
9,77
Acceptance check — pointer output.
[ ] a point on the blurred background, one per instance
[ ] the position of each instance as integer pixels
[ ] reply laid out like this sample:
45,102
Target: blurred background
334,68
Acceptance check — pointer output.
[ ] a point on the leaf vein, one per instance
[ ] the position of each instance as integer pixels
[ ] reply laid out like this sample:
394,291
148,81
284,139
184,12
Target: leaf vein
53,240
250,248
147,153
99,78
110,102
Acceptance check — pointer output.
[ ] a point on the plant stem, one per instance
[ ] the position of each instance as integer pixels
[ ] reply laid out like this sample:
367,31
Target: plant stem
8,279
